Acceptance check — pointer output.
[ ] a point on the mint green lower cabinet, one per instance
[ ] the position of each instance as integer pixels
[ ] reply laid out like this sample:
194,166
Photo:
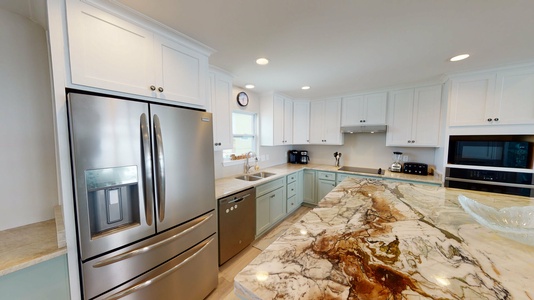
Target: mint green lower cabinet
270,204
326,181
44,281
324,187
309,187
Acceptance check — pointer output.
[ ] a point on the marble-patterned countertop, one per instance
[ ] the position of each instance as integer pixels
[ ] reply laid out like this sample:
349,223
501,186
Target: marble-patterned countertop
230,185
28,245
381,239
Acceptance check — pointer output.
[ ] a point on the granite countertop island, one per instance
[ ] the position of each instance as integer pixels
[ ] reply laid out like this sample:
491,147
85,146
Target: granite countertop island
379,239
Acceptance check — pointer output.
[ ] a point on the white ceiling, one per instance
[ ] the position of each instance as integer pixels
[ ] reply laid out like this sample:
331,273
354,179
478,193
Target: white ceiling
343,46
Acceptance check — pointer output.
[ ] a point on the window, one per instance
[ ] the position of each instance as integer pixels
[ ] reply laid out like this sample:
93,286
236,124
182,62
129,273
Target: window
243,135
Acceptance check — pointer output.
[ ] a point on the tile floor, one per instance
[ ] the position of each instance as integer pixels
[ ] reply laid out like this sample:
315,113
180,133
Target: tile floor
227,272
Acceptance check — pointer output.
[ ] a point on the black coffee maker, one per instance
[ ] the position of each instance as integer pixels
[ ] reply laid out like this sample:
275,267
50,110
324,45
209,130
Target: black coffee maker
303,157
293,157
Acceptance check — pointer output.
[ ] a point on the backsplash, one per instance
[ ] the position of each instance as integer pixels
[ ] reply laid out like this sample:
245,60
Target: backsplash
366,150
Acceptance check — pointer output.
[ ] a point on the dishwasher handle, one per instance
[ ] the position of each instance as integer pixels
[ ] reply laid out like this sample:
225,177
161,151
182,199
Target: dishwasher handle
235,200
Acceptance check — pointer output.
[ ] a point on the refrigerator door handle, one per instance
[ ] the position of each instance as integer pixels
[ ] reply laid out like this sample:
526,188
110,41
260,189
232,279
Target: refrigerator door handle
160,169
138,251
158,277
146,169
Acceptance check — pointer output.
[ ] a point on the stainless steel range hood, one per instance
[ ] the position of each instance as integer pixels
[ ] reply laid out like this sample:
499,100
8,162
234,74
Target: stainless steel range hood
363,129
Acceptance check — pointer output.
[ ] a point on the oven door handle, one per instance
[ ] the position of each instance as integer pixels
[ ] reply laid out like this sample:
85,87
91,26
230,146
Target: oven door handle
497,183
138,251
158,277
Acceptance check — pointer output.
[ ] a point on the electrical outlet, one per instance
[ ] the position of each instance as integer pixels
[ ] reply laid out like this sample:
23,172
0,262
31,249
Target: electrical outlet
262,158
405,158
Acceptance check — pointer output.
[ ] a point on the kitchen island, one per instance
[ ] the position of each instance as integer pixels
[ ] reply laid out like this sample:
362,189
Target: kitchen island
379,239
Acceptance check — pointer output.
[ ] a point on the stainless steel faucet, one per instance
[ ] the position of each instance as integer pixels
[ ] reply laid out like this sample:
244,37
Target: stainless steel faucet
247,165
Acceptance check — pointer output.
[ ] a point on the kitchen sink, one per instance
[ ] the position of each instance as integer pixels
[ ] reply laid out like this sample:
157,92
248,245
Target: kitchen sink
263,174
248,177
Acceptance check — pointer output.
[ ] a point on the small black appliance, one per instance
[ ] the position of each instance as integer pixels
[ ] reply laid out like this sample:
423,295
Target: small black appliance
303,157
293,156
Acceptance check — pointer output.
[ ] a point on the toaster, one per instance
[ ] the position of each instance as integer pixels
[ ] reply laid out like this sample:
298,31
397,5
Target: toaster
415,168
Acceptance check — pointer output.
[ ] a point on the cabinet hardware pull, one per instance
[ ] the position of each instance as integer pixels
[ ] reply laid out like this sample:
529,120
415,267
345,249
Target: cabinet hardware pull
152,88
496,119
160,89
490,119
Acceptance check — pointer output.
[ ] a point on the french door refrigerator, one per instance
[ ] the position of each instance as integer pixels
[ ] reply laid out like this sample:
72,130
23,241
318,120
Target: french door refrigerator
144,198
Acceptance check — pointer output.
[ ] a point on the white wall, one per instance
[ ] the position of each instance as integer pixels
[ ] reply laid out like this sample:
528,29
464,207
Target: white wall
277,154
28,182
366,150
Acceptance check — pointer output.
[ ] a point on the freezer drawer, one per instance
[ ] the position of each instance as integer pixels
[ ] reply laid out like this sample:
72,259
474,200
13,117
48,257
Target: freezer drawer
191,275
111,270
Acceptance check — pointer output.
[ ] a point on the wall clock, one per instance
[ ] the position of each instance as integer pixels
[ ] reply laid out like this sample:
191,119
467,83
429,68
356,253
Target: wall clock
242,99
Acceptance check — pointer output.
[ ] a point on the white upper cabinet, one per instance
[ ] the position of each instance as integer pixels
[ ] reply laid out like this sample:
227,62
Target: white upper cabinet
514,93
496,98
301,122
364,109
276,120
472,100
414,117
110,53
325,122
220,96
180,72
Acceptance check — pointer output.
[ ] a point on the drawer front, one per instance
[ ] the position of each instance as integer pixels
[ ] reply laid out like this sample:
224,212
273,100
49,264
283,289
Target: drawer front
291,189
326,175
291,177
291,204
270,186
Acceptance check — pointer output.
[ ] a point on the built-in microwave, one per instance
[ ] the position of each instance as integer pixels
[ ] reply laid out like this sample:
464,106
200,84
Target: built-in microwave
509,154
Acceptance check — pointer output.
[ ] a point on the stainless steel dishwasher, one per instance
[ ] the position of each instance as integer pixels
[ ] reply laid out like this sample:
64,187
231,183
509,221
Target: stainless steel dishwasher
237,223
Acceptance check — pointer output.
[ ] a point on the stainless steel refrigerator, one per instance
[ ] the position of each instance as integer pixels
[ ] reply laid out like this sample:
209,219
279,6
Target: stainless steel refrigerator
144,198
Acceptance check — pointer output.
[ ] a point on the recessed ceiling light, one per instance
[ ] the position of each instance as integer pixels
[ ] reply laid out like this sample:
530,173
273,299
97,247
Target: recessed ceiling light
249,86
262,61
460,57
306,87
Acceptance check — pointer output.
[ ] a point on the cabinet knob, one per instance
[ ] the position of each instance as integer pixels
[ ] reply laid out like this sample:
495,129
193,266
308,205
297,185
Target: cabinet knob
413,141
496,119
152,88
363,121
160,89
490,119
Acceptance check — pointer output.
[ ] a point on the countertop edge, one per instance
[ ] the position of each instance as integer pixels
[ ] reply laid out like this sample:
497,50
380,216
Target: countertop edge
28,245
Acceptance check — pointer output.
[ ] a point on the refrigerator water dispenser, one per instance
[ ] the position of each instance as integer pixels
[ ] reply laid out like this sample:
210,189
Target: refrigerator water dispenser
113,198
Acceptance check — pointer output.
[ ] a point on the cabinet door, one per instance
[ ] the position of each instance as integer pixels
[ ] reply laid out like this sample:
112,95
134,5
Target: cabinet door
301,122
332,122
278,120
181,72
400,118
472,101
300,188
353,110
324,187
515,97
317,122
288,121
263,213
220,94
375,108
309,187
277,205
426,116
109,53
